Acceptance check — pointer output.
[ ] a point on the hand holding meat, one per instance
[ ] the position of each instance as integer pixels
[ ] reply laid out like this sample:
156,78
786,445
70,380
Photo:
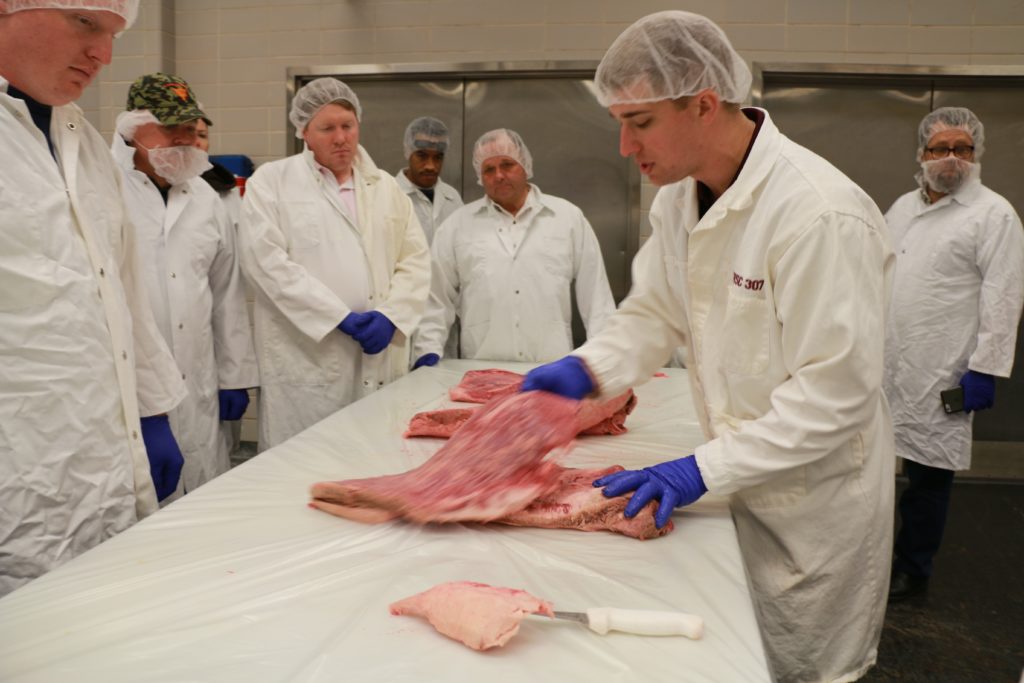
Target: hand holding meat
567,377
673,484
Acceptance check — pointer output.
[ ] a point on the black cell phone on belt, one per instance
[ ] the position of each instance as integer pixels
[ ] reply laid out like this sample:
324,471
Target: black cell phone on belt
953,400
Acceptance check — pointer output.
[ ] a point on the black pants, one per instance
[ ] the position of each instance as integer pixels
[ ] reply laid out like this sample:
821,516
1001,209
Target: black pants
923,507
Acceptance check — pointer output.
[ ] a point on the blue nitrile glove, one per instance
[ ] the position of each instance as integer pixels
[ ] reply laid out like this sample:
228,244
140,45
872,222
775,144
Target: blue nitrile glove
375,333
352,323
233,403
566,377
979,390
428,359
674,483
165,459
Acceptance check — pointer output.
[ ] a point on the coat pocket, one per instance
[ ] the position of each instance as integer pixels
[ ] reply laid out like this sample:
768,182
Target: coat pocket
745,339
301,221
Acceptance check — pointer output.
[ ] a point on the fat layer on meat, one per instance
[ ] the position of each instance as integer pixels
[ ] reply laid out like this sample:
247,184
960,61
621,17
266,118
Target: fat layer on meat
475,614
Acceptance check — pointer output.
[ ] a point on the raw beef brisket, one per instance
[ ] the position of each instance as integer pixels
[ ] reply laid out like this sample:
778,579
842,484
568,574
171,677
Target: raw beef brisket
480,386
475,614
493,466
576,504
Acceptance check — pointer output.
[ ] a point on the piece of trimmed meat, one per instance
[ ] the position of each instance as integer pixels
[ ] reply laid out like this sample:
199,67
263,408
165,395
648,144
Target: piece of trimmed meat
595,418
480,386
475,614
576,504
492,467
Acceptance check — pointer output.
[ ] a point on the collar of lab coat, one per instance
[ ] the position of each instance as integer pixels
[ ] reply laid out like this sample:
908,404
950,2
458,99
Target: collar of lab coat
968,194
738,196
535,199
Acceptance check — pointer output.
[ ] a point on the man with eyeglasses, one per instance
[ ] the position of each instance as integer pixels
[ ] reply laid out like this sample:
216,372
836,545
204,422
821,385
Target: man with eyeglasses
959,287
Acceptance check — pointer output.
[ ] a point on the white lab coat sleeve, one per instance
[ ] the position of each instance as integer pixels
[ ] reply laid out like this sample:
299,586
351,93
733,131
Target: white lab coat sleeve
232,334
410,280
301,298
593,293
443,303
829,288
1001,263
651,313
159,385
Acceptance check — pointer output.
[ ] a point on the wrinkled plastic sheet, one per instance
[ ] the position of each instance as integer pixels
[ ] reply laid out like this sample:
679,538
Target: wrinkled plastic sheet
241,581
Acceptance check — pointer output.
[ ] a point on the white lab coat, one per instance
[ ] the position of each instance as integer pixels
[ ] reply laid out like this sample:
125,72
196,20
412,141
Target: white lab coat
779,293
76,372
187,253
513,300
956,303
288,236
430,214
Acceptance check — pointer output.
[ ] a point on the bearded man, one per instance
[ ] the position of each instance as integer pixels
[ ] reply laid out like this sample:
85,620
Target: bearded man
956,304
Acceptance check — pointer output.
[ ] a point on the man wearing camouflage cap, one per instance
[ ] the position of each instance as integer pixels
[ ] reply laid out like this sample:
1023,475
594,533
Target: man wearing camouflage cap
186,244
82,358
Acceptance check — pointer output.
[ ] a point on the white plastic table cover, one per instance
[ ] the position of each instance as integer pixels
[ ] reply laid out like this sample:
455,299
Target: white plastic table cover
241,581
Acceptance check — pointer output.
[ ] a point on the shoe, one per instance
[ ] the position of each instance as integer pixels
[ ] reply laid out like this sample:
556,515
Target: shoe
903,586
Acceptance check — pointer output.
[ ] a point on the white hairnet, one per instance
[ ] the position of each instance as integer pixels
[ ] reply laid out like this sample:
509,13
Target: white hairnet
501,142
128,122
668,55
316,94
126,9
425,133
946,118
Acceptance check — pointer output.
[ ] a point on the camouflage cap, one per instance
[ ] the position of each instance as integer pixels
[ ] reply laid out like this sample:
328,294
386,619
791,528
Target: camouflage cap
168,97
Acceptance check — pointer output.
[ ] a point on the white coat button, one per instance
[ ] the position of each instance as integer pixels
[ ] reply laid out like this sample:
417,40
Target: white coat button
71,126
102,273
366,382
173,275
380,384
183,375
124,354
181,326
135,435
517,291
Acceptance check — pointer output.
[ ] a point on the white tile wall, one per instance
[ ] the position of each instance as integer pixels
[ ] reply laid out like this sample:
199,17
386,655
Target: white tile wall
236,52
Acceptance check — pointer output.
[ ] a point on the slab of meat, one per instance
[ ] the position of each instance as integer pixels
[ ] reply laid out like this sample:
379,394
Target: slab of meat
475,614
493,466
576,504
480,386
595,418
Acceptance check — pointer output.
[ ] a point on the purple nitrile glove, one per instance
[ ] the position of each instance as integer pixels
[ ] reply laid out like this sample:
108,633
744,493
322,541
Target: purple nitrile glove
352,323
673,484
375,333
979,390
566,377
427,359
233,403
165,459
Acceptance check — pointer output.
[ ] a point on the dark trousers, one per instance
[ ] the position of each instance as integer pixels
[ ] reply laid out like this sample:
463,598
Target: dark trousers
923,507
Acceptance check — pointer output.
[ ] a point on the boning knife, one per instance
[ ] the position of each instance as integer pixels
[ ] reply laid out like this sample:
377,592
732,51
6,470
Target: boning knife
643,622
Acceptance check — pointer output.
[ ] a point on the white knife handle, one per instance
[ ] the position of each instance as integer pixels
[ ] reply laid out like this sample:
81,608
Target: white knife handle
645,622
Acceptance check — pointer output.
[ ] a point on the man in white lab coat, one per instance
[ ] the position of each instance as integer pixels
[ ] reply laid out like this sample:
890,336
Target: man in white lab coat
505,263
186,248
959,288
338,263
773,269
424,144
80,356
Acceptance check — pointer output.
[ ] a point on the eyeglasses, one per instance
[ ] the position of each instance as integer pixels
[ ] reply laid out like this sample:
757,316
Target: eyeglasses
961,151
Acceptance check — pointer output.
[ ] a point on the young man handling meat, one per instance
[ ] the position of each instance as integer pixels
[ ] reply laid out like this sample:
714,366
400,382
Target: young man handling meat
774,270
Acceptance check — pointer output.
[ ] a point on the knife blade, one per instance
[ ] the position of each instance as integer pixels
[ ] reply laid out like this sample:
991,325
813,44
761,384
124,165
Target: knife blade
643,622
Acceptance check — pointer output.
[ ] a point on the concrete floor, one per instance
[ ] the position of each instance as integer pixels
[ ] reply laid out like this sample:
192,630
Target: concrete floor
969,628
